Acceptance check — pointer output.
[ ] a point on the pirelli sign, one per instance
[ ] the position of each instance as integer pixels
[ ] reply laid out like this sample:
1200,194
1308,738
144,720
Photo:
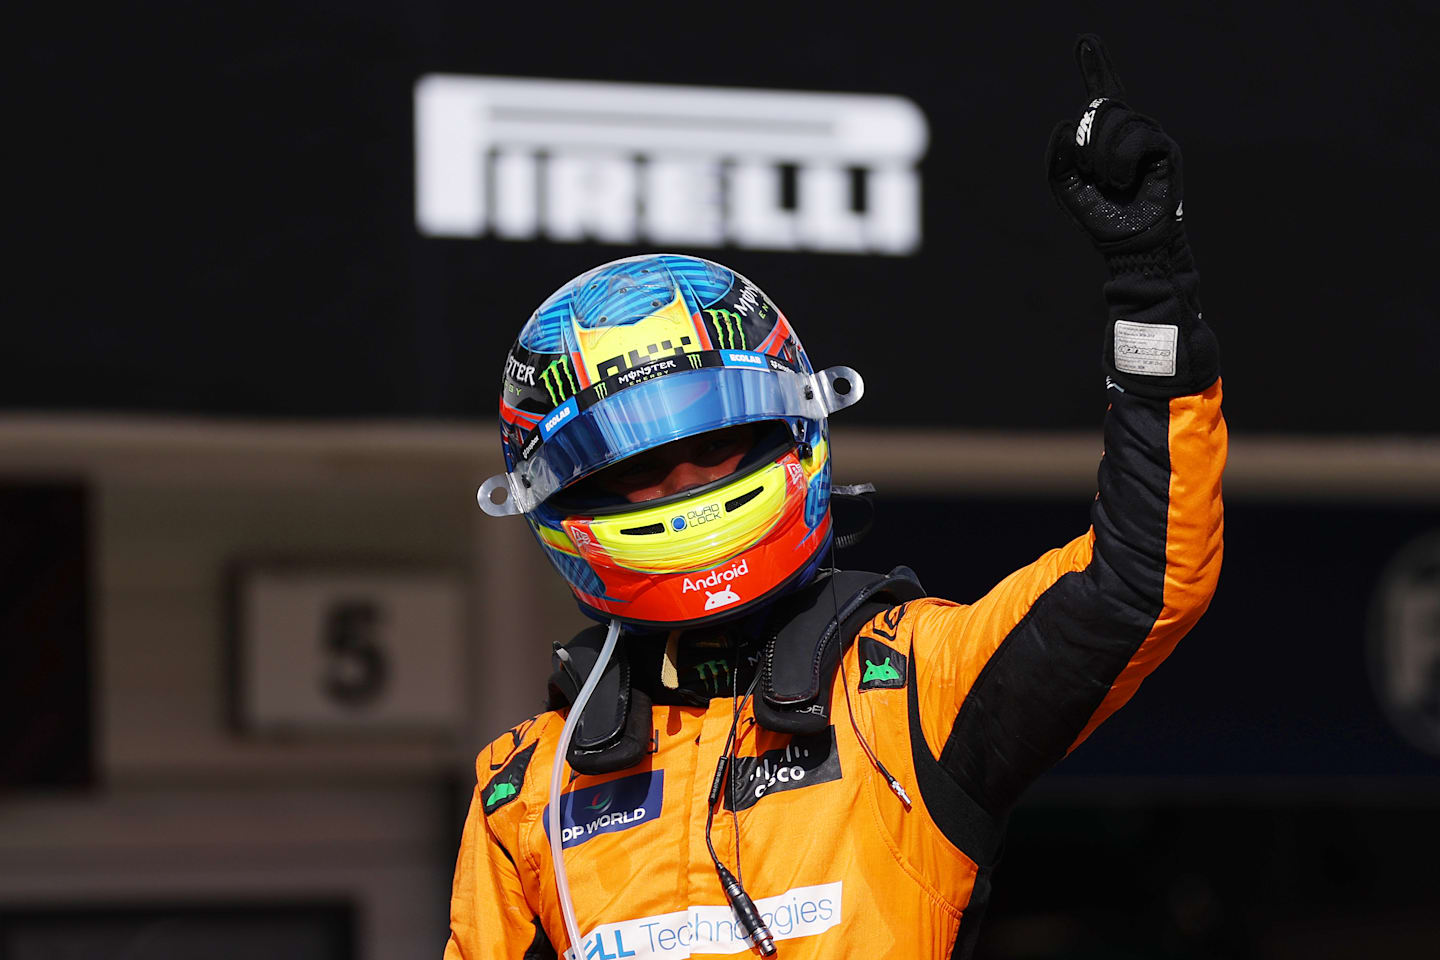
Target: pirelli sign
571,161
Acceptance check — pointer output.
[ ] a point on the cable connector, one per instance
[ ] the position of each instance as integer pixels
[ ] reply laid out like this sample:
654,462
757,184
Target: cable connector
756,931
895,787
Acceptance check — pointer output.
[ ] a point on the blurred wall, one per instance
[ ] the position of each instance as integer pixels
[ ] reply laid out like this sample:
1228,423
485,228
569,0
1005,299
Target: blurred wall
187,807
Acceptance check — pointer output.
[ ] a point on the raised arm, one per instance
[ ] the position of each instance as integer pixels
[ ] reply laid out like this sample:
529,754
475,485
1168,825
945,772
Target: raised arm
1009,685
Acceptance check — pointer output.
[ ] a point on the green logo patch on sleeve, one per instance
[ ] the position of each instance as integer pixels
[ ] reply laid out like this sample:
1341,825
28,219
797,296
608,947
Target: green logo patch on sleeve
505,785
884,667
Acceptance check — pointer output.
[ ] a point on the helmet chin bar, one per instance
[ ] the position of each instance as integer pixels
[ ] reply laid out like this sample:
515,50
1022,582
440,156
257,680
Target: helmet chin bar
835,387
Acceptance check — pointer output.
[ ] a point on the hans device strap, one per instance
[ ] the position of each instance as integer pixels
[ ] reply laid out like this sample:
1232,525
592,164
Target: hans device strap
614,730
810,633
797,670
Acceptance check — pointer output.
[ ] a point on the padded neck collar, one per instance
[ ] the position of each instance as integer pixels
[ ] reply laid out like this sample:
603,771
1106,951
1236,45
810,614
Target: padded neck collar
807,633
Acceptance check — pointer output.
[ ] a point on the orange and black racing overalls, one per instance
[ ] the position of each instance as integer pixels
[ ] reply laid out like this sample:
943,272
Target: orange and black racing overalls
964,704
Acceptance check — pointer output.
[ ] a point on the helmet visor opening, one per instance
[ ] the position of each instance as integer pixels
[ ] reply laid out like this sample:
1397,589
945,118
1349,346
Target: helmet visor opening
600,493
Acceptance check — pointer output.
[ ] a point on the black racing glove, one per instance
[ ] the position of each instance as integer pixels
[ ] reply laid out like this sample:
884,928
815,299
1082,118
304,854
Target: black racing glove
1117,175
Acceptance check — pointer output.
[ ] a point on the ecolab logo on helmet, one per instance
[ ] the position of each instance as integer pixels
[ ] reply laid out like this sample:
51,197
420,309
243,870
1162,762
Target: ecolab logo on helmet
570,162
558,417
718,578
743,359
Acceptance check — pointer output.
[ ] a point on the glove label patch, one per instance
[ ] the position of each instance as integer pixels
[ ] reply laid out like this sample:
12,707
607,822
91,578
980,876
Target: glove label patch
1146,348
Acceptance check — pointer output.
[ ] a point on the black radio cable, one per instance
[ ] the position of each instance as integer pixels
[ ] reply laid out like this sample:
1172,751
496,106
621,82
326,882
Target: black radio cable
756,930
730,781
890,779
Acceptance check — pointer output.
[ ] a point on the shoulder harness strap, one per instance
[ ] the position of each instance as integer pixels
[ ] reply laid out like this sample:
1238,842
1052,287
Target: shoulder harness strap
817,626
614,730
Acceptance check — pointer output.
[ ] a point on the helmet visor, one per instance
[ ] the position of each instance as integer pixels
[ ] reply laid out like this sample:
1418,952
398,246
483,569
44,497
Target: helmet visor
646,415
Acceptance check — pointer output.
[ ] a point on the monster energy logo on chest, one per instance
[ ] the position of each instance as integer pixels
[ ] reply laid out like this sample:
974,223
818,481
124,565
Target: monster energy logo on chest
559,380
714,674
729,327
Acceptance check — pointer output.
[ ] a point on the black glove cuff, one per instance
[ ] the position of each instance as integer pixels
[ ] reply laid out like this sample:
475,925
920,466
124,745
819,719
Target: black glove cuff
1157,345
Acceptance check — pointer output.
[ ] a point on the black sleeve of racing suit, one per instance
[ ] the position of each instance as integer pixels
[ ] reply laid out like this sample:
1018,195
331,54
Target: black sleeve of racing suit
1009,684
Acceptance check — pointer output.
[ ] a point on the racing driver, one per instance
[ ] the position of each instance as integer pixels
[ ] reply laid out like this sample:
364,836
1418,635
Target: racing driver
753,752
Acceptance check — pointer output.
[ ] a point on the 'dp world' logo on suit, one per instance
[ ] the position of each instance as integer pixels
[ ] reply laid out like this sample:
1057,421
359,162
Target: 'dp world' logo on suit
611,807
573,161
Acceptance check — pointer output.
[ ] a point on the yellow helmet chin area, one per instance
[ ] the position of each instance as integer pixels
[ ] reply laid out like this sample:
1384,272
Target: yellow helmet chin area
695,533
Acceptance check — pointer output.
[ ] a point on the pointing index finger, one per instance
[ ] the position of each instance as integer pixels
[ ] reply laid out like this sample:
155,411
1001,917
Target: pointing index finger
1101,80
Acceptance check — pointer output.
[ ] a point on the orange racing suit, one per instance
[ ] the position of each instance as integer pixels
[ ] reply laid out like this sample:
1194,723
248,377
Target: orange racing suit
964,704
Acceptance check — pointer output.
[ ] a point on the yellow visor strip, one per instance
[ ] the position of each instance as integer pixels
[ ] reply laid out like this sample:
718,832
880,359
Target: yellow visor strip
693,534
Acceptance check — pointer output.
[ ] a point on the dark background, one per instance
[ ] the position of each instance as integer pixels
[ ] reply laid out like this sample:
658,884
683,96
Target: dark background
217,204
45,623
1272,684
214,215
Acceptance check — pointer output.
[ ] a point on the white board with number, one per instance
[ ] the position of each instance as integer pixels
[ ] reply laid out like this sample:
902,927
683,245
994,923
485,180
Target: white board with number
327,650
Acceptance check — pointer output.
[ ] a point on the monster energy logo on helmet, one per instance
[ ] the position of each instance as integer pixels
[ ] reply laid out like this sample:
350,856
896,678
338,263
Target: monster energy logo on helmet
559,380
728,326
